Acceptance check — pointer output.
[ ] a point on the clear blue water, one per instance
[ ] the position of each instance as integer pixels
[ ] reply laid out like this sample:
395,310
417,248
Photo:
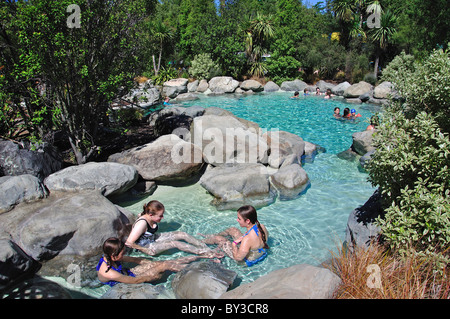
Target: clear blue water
304,230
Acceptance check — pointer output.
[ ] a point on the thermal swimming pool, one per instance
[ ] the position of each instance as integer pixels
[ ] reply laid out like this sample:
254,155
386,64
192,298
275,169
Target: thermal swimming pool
303,230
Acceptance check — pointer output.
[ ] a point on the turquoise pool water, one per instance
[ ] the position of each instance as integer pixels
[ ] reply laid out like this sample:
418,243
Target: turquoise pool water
303,230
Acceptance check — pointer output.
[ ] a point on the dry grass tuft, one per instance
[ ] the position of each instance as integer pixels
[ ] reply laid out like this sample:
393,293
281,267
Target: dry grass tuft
376,273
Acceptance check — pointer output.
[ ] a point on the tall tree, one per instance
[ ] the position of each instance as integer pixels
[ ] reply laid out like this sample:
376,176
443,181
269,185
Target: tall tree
196,20
383,35
82,58
159,34
258,31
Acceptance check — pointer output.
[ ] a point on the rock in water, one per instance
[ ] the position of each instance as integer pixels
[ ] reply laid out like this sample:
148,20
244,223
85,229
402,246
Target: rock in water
202,280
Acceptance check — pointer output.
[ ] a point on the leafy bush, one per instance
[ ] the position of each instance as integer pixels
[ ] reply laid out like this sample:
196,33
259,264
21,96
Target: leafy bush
283,68
425,86
399,67
203,67
370,78
411,167
165,75
412,160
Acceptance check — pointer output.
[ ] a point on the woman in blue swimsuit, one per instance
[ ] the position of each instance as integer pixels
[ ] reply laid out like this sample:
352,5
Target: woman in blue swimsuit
144,238
250,247
110,270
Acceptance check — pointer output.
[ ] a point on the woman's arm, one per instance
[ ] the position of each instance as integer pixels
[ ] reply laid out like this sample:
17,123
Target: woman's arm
138,229
239,253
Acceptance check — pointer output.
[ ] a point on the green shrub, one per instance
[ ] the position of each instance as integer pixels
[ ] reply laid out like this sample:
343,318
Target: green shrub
370,78
425,86
203,67
165,75
401,66
283,68
411,167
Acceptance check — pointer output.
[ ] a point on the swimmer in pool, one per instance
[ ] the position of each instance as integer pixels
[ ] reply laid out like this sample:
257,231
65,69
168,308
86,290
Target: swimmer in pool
144,238
110,270
251,246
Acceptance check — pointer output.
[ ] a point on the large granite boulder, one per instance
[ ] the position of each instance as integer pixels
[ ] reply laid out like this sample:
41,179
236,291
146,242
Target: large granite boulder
296,85
144,96
225,139
19,159
340,88
168,159
38,288
65,223
323,86
174,87
108,178
363,142
271,87
202,280
384,90
253,85
202,86
358,89
193,86
184,97
223,84
15,264
285,148
241,184
296,282
169,119
18,189
290,181
361,227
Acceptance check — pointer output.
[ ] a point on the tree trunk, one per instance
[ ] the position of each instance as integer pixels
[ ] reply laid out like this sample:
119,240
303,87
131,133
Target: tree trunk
154,65
375,68
160,54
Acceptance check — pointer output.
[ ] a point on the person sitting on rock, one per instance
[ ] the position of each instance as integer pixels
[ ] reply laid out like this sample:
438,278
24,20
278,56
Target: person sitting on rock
110,270
250,247
144,238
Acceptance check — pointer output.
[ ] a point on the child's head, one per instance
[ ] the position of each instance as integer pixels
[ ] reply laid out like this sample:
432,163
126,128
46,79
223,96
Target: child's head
112,247
153,207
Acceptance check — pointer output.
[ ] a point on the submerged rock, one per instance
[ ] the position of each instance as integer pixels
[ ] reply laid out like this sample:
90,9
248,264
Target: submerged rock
132,291
202,280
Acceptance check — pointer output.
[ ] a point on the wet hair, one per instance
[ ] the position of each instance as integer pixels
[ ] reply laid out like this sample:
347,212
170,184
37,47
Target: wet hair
249,212
112,248
346,112
152,207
